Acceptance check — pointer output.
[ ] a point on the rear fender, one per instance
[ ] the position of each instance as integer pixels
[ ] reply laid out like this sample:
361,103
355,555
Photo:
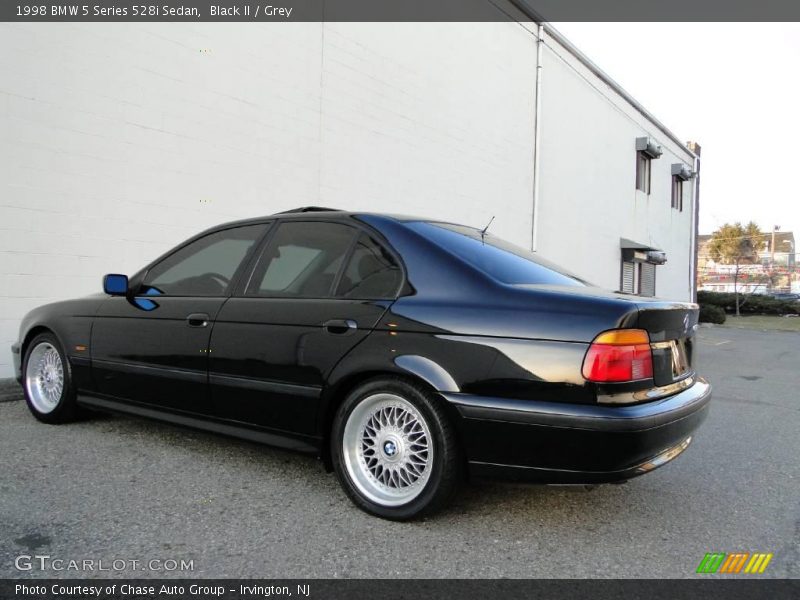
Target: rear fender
359,366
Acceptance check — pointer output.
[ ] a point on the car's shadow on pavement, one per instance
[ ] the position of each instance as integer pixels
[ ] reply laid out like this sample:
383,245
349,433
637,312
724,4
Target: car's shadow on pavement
284,468
204,469
484,496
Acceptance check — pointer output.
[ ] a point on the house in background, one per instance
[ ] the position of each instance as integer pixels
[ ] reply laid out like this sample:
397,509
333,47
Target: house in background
778,249
120,140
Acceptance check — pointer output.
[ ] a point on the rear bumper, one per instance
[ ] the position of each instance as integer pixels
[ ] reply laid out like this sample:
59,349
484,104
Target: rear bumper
16,357
568,443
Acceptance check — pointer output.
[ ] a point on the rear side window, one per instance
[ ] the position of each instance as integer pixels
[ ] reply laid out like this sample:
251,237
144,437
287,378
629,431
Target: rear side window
371,272
302,260
497,258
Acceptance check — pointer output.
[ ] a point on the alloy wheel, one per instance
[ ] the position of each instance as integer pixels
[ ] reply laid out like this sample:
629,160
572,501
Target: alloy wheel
388,449
44,377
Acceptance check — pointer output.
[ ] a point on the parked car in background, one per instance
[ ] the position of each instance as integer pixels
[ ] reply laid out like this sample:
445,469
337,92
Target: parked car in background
790,296
407,354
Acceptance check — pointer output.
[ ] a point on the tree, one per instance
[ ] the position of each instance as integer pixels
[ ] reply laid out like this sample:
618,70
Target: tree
734,243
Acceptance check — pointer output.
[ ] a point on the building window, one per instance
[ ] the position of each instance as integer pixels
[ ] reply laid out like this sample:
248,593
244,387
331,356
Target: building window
647,279
677,193
630,277
638,278
643,162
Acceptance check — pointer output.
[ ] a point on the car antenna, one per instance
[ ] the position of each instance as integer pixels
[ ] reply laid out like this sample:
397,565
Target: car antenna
483,231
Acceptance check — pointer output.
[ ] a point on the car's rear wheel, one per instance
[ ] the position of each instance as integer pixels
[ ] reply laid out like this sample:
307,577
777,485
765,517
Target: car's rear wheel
47,381
394,450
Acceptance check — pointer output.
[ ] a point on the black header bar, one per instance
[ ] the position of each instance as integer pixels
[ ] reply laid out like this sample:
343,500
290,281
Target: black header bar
397,10
740,588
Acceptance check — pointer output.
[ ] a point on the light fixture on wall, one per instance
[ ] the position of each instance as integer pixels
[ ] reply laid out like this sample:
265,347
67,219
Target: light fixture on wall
648,147
682,172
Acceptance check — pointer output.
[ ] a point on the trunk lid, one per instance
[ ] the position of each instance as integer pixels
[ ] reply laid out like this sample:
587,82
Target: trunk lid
671,326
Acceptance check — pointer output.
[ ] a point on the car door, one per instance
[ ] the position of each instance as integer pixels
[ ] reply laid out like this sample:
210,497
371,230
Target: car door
316,290
152,346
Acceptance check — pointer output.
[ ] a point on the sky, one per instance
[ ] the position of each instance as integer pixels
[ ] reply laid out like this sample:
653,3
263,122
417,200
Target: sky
732,87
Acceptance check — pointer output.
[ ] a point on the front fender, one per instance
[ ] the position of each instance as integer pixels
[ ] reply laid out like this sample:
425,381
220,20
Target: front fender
71,322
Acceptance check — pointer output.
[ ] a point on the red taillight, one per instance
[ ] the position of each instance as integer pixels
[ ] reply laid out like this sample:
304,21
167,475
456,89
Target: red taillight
619,355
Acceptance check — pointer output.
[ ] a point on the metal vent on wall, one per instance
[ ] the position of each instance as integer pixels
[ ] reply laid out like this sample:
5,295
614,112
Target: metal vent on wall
681,171
648,147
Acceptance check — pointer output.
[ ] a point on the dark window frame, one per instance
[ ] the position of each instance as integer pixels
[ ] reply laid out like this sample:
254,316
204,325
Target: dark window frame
644,172
676,201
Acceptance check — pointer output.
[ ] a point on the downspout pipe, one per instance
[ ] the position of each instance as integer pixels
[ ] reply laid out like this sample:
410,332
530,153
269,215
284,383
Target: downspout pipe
695,148
537,136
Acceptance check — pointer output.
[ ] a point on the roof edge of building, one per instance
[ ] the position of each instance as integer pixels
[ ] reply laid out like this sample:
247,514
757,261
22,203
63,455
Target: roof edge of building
559,37
606,78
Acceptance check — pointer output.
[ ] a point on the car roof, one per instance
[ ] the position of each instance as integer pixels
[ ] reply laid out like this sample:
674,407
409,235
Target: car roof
320,212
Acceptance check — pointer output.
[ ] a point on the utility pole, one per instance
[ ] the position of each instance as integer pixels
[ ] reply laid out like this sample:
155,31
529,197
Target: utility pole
772,245
772,259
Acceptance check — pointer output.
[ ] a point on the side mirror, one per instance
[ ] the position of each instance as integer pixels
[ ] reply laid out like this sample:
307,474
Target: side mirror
115,284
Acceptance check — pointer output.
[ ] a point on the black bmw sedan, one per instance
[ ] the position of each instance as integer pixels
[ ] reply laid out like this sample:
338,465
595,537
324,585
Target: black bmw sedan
407,354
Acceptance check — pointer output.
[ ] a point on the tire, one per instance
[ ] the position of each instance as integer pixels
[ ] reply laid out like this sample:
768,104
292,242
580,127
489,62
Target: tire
47,381
394,450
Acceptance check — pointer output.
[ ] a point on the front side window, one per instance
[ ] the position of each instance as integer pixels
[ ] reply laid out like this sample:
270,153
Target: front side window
497,258
643,166
204,267
302,260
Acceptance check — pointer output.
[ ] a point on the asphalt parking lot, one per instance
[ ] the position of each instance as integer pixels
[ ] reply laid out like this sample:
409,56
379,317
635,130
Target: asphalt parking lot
119,488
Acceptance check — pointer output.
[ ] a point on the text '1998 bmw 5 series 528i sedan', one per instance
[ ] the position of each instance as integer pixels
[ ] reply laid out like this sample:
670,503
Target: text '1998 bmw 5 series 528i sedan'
408,354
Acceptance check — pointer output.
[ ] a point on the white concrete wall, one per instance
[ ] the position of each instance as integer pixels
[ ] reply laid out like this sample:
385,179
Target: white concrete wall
118,141
588,193
430,119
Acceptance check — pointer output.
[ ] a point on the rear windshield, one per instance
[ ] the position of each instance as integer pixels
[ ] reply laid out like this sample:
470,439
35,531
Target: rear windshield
497,258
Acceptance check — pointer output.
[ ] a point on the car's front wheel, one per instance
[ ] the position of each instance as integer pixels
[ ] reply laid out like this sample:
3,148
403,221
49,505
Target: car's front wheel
394,450
47,381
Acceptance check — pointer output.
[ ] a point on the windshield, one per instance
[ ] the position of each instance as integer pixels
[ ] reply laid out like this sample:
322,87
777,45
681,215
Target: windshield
497,258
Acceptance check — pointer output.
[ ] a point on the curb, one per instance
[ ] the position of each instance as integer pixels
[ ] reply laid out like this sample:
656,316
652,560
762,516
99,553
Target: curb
10,390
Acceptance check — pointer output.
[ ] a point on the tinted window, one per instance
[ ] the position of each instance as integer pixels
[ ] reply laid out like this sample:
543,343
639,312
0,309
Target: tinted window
206,266
302,260
371,272
499,259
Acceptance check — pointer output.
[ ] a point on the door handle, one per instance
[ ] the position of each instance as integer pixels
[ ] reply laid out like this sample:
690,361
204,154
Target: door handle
340,326
197,320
